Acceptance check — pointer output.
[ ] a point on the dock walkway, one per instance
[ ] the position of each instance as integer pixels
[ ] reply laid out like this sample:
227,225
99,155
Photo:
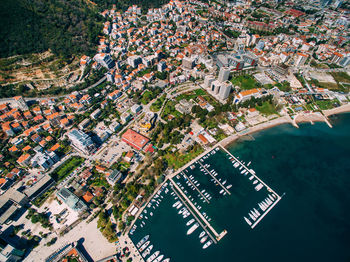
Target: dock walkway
196,188
217,236
217,181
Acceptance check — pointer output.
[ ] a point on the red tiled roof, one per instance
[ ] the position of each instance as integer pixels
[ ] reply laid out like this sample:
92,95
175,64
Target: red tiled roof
135,139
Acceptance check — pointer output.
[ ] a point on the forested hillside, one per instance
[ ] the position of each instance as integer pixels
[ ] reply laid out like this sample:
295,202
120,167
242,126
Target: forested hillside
65,26
124,4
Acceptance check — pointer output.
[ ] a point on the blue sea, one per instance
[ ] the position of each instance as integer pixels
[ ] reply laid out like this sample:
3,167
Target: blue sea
309,166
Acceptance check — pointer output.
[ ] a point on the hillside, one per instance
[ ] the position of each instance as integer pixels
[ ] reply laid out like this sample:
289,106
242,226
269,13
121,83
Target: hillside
66,27
124,4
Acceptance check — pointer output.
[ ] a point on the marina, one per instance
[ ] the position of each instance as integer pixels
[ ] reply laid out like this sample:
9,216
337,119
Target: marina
193,192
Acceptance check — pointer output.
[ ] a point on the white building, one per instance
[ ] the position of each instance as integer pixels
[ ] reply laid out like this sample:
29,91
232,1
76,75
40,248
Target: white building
224,74
81,141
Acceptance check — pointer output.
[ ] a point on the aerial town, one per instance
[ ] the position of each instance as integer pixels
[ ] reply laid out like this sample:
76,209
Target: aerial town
177,80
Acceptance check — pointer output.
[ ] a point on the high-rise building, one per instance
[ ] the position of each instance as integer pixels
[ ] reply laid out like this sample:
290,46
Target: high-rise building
301,59
225,90
208,79
224,74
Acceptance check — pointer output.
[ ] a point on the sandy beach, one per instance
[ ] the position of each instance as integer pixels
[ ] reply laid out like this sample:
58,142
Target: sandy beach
338,110
299,118
274,122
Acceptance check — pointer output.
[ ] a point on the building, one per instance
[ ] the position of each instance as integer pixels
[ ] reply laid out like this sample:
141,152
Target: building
224,74
11,202
84,124
114,177
38,188
247,94
301,59
66,251
125,117
345,61
96,113
105,60
208,79
44,160
161,66
9,253
81,141
114,126
134,61
225,90
188,63
20,103
102,131
282,69
135,139
184,106
136,109
71,200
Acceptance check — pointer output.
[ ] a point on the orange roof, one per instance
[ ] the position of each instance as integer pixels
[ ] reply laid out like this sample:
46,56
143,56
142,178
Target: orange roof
55,147
49,138
16,124
26,148
100,168
64,121
73,252
23,158
135,139
249,92
88,197
2,181
13,149
52,116
42,143
204,140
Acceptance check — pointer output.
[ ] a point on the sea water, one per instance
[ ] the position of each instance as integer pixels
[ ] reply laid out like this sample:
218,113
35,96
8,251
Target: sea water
311,165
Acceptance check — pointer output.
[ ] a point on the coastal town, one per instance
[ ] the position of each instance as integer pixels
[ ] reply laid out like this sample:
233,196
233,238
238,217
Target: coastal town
77,170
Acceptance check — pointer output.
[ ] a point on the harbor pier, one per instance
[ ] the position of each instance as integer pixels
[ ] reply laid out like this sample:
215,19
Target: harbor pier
202,218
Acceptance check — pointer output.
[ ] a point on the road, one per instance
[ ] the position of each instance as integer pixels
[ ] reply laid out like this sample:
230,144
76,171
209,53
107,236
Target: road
38,99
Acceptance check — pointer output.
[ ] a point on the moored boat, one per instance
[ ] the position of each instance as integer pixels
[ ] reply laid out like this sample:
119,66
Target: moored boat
206,245
153,256
190,222
204,239
143,240
192,228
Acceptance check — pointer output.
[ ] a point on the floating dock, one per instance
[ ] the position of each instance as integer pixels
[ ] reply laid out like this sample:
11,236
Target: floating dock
217,181
198,215
205,198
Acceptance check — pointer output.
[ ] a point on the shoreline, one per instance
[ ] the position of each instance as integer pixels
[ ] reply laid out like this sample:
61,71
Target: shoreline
300,118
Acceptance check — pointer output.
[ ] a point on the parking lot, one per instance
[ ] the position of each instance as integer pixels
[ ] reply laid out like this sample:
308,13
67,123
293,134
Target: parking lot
113,152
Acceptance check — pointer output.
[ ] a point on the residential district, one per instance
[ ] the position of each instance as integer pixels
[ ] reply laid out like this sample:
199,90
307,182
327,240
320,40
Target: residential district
76,169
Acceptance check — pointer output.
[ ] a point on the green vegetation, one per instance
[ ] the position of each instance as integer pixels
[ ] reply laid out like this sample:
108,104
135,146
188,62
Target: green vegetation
66,168
106,227
156,106
176,159
327,104
267,108
341,77
169,109
148,95
284,86
42,198
245,82
65,27
125,4
37,217
231,33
